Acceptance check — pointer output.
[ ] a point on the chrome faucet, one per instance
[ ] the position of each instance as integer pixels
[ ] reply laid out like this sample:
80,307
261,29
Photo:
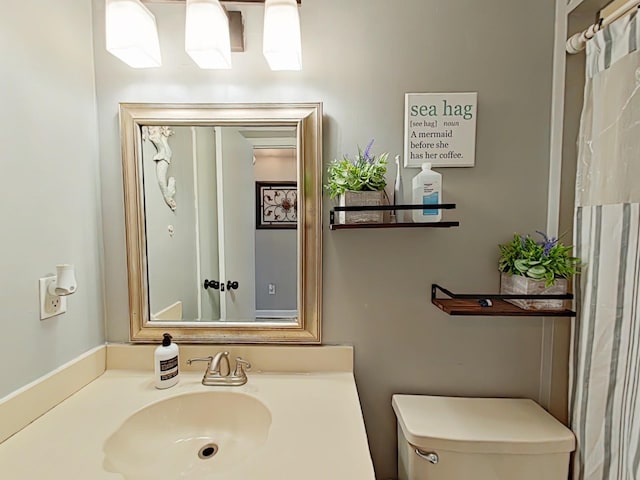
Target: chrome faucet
216,376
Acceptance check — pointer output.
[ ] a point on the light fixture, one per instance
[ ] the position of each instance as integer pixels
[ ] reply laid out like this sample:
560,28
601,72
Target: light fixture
211,33
54,289
281,42
131,33
206,36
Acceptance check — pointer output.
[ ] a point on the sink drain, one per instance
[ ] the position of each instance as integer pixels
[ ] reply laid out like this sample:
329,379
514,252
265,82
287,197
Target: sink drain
208,451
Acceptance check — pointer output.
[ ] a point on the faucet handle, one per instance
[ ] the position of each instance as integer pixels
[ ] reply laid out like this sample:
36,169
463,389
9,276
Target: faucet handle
241,365
204,359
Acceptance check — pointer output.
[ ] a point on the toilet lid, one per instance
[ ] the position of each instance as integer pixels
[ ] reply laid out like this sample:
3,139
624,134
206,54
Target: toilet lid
480,425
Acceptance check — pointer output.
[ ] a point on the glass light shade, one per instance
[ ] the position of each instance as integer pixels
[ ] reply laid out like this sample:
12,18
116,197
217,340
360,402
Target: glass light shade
206,37
281,44
131,33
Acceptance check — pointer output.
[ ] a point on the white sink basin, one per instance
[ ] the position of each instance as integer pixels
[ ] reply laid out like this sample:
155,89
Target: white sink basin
190,436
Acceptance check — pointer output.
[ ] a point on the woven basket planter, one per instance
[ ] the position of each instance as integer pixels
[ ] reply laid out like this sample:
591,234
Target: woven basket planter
517,284
349,198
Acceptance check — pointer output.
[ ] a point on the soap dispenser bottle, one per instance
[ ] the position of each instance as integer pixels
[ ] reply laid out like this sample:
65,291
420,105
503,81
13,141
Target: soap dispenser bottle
166,363
427,190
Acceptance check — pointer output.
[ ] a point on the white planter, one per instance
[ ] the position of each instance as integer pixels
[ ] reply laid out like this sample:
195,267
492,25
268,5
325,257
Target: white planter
517,284
360,199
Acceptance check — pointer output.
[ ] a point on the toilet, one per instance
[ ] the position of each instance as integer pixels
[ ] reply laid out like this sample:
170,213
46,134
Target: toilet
454,438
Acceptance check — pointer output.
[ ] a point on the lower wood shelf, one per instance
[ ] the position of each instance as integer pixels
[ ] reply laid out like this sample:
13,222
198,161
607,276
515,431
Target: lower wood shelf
469,304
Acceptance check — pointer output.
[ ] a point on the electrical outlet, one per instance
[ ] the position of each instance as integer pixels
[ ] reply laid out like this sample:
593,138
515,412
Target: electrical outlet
50,305
272,289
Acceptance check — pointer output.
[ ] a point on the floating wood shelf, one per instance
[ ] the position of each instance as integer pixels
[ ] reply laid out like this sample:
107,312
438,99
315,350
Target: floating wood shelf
369,208
469,304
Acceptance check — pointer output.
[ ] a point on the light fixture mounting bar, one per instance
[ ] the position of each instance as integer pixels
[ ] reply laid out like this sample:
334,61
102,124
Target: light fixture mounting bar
250,1
231,2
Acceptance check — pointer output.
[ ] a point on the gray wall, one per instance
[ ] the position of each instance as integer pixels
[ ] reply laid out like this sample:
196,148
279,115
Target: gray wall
172,258
360,58
50,205
276,250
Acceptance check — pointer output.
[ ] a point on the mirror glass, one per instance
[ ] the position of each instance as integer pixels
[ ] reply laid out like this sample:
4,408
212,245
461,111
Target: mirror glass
221,218
223,237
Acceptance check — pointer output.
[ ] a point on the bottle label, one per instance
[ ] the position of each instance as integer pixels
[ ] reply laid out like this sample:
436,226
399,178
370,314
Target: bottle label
169,364
169,375
431,199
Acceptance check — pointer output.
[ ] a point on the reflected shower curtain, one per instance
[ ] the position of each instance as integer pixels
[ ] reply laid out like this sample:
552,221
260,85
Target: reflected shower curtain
605,363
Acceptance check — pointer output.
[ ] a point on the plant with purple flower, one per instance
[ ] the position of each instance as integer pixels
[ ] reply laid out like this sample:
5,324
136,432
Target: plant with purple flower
546,259
367,152
547,244
366,172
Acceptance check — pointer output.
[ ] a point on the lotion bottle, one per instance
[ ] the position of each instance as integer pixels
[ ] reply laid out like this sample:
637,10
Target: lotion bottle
165,362
427,190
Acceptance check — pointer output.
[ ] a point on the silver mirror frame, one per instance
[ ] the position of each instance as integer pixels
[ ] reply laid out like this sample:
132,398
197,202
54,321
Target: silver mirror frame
307,117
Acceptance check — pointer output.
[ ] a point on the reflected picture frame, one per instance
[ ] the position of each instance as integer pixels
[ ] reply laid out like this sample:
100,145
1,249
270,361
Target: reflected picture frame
276,205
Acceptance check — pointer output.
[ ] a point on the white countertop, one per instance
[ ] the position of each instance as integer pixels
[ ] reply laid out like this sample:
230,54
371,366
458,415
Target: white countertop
317,429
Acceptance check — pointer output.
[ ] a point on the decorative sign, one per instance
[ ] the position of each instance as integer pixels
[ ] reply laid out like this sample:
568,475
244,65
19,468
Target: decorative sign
276,205
440,128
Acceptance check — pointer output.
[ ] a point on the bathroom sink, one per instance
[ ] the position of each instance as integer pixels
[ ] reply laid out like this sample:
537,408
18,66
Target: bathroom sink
189,436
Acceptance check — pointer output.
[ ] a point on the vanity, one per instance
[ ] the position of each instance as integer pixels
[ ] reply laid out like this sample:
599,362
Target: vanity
206,206
298,416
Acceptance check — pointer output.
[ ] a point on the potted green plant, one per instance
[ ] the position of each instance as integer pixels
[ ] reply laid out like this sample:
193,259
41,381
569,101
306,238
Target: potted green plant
531,267
358,181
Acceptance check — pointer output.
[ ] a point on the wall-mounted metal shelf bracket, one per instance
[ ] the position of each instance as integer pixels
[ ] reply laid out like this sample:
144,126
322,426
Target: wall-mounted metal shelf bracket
376,208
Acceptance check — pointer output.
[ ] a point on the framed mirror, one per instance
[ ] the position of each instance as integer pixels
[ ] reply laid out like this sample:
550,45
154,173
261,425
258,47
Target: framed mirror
223,211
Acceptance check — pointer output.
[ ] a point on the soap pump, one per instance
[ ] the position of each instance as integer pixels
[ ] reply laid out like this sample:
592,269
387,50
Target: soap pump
166,363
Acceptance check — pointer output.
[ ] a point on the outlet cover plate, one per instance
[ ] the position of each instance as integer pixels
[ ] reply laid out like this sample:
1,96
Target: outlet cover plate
50,305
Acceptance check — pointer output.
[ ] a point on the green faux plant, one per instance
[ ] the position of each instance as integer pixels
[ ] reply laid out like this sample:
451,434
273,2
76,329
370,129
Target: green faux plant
364,173
543,260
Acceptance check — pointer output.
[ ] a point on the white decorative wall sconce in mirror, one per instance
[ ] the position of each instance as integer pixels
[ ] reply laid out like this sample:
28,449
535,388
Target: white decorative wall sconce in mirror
211,33
159,136
131,33
54,289
281,44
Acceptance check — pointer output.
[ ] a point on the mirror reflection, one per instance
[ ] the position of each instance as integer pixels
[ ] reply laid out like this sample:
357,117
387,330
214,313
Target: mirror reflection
221,219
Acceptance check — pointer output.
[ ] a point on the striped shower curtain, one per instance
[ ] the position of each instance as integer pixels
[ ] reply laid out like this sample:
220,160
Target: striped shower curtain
605,363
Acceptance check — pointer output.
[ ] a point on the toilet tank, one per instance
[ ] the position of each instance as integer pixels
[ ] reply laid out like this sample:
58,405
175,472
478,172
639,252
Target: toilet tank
453,438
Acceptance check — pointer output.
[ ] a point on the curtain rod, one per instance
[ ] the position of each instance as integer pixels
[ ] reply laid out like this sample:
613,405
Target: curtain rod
578,42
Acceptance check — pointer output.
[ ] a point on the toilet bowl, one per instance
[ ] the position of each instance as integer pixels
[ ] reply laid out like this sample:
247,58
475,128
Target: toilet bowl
453,438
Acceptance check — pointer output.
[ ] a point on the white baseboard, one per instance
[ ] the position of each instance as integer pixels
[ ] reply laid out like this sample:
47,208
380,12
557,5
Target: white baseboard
276,313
